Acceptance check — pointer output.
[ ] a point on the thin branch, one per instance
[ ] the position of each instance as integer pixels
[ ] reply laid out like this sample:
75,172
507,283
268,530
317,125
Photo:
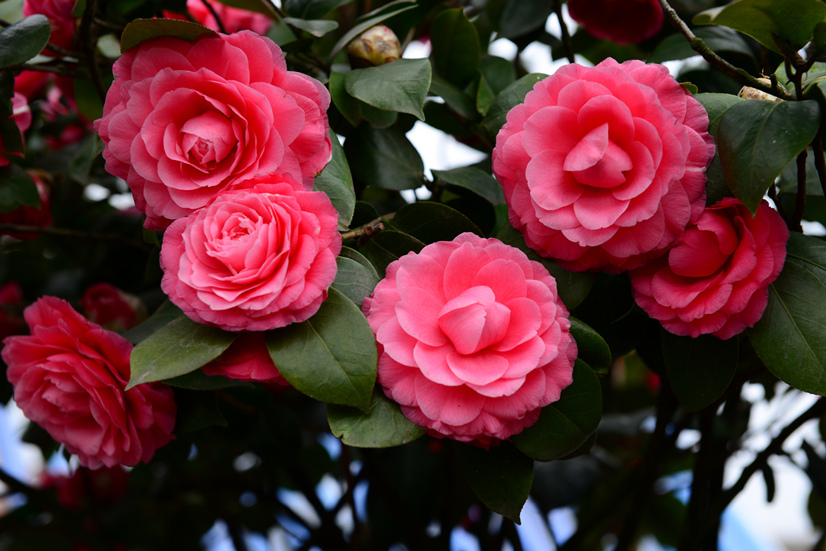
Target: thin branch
699,45
214,13
566,36
369,229
800,200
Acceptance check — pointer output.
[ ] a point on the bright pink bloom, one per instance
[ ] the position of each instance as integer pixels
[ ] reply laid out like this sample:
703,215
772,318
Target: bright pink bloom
69,377
185,120
622,21
247,359
473,338
110,307
716,280
604,167
60,17
234,19
22,116
256,258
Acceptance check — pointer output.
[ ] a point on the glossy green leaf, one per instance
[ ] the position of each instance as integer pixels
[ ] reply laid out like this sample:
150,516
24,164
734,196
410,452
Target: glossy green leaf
23,40
400,86
355,110
165,313
17,189
369,20
474,179
789,338
507,99
756,139
384,158
177,348
573,287
566,424
316,27
498,72
521,17
330,357
352,254
591,347
501,477
699,369
455,98
456,47
791,20
430,222
312,9
354,280
716,105
383,426
337,182
389,246
719,39
257,6
144,29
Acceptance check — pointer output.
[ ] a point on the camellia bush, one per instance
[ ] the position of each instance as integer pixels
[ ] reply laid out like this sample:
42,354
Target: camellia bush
231,296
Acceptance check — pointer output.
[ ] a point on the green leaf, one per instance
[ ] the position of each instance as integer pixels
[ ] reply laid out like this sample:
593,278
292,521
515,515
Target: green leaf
198,380
501,477
165,313
456,47
179,347
719,39
565,425
312,9
521,17
456,99
716,105
756,139
369,20
23,40
144,29
383,426
430,222
316,27
498,72
389,246
332,356
352,254
592,348
354,280
573,287
384,158
17,189
257,6
789,336
791,20
398,86
507,99
700,369
476,180
355,110
337,182
86,96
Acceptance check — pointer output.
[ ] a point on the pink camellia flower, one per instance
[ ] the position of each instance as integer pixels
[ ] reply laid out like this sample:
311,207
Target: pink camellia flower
69,377
604,167
473,338
716,280
621,21
111,307
247,359
60,17
258,257
22,116
185,120
233,19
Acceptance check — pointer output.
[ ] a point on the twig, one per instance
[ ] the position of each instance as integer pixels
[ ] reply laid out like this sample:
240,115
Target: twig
566,36
214,13
370,228
699,45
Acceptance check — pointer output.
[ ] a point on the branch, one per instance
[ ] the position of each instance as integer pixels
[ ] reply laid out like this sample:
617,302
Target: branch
566,36
369,229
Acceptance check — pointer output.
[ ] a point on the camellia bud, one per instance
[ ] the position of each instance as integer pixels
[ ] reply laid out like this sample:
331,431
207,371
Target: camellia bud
747,92
376,46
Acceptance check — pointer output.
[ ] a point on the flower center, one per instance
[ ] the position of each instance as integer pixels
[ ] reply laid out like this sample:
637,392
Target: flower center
596,161
207,138
474,320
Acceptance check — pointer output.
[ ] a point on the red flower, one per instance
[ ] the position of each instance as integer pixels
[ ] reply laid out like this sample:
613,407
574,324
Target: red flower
622,21
247,359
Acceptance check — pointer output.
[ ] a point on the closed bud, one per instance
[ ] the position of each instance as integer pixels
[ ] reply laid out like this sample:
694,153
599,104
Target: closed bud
376,46
747,92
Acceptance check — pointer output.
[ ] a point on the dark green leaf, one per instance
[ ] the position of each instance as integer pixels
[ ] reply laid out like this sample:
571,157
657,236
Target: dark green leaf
573,287
700,369
756,139
355,110
791,20
384,158
337,182
198,380
384,426
565,425
369,20
456,99
352,254
330,357
316,27
165,313
17,189
456,47
23,40
389,246
312,9
507,99
430,222
257,6
498,72
398,86
354,280
719,39
789,336
592,348
144,29
86,96
501,477
179,347
476,180
520,17
716,105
